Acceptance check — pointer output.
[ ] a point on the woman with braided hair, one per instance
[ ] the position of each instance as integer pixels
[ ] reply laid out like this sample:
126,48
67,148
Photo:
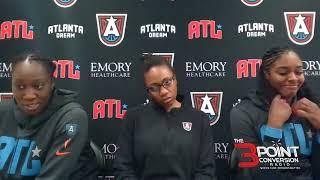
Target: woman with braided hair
282,112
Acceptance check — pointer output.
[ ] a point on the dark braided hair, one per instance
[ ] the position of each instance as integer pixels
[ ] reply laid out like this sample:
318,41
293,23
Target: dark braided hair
34,57
266,90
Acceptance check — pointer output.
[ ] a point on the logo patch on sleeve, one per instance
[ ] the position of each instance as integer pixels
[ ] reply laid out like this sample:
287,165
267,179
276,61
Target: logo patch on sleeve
71,129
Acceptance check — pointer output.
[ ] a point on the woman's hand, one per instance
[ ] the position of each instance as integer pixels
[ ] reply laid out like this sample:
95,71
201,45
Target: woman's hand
279,112
308,110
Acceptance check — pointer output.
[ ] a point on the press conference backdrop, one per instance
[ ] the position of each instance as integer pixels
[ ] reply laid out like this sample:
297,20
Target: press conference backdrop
215,47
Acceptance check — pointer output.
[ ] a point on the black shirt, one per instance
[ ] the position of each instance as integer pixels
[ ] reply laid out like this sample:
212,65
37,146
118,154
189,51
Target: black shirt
156,144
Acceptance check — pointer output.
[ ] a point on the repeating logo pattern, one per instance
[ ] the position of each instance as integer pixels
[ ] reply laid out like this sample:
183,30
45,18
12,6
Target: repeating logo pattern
209,103
111,28
300,26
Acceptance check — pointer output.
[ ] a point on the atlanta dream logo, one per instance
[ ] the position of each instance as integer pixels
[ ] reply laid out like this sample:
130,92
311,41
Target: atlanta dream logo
65,3
252,3
169,57
300,26
209,103
111,28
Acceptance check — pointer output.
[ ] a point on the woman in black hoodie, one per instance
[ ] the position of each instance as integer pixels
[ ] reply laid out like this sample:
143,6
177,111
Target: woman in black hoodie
164,140
43,130
282,113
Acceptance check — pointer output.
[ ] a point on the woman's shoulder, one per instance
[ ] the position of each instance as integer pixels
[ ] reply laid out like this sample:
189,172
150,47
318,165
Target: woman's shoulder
72,111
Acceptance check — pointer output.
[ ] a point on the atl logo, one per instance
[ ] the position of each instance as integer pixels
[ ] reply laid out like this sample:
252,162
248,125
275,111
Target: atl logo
204,29
300,26
111,107
169,57
111,28
65,69
16,29
209,103
244,65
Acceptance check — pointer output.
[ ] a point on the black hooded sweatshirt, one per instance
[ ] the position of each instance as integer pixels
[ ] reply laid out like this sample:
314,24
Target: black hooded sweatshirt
46,146
249,124
159,145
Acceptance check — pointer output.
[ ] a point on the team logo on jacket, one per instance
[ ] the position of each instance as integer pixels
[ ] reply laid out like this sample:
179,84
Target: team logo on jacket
65,3
252,2
300,26
111,28
187,126
209,103
169,57
71,129
19,156
62,151
6,96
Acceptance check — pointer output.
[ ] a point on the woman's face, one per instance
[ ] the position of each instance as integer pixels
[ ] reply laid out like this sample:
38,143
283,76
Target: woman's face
286,75
31,86
161,85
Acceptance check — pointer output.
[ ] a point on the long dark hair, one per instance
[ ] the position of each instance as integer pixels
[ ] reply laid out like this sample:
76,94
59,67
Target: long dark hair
265,90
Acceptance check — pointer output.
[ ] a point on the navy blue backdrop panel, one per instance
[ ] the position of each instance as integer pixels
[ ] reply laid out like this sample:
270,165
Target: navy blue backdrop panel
215,47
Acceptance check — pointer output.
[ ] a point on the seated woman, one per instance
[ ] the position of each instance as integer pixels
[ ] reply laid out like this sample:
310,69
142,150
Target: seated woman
282,112
43,131
164,139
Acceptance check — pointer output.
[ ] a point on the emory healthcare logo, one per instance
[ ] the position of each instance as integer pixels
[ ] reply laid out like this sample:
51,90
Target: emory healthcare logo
65,3
66,69
17,29
311,68
252,3
112,107
300,26
109,69
207,69
5,70
169,57
209,103
204,29
111,28
110,150
221,150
